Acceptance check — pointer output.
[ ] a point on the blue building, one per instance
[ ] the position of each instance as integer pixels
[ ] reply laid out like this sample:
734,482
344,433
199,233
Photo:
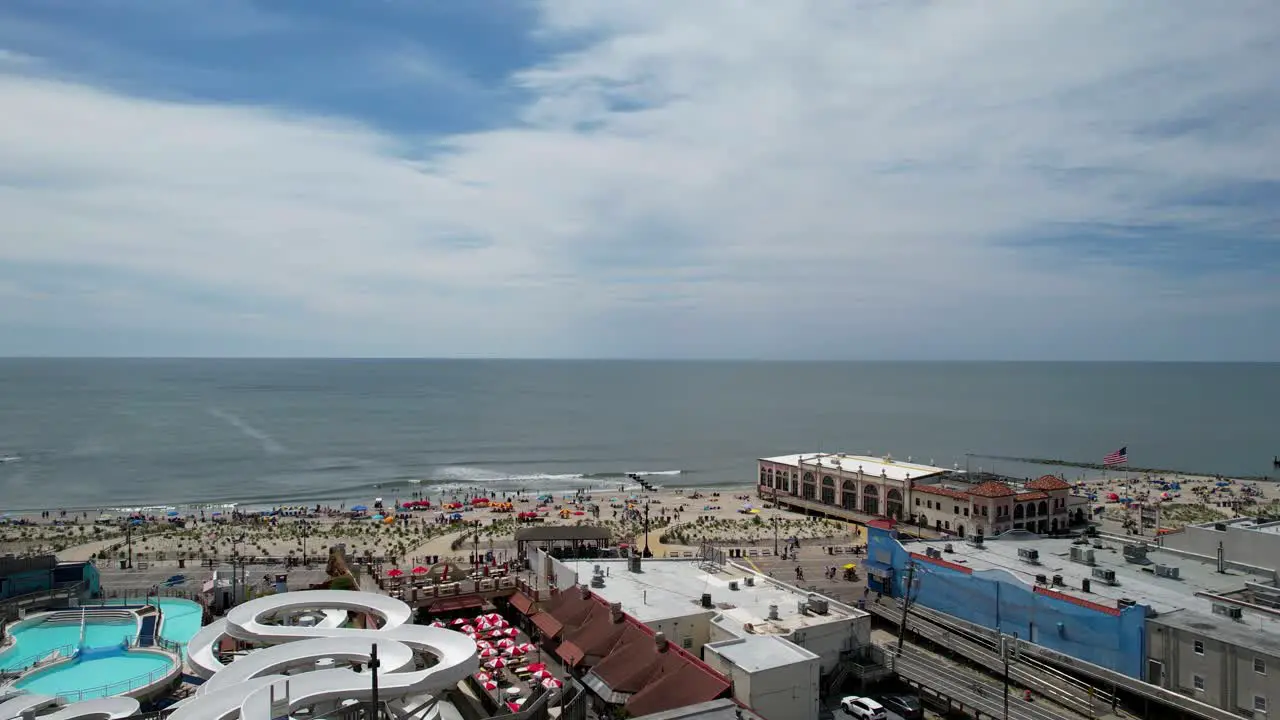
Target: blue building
26,576
987,587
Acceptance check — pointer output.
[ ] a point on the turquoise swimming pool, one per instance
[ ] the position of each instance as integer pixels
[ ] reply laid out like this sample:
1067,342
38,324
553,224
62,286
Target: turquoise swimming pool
99,677
35,638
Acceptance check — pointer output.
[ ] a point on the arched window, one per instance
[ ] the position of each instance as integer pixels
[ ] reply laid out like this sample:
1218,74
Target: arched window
828,490
1017,511
870,499
849,495
893,503
1044,508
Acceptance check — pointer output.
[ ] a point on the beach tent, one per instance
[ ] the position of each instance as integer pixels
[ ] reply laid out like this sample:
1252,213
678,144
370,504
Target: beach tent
359,508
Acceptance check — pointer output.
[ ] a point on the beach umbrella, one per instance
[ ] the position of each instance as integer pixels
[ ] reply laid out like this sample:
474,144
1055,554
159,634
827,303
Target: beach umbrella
420,570
172,513
469,629
377,518
495,618
437,623
509,632
506,643
458,621
395,572
483,676
525,647
541,674
489,685
551,683
484,644
496,663
536,667
514,651
488,653
359,508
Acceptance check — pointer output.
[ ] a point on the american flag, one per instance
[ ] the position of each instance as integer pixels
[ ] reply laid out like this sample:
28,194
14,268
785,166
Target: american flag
1119,457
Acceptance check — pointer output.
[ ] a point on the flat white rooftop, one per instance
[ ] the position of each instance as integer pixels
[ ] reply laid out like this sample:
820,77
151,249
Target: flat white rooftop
674,588
754,653
890,468
1135,581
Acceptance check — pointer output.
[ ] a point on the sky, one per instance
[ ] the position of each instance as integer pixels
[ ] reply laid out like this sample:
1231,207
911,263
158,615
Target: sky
871,179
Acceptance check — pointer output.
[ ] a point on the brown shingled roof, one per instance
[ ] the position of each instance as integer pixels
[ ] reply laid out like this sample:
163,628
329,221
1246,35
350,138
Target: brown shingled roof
1048,482
992,489
593,638
656,678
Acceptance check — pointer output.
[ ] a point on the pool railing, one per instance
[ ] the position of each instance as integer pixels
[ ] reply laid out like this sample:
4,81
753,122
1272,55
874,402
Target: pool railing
31,662
118,687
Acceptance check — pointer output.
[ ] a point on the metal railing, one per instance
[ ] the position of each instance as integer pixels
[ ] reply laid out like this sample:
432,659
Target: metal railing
32,661
118,687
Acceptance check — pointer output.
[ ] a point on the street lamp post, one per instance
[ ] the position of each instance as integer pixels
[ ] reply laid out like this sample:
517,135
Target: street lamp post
647,553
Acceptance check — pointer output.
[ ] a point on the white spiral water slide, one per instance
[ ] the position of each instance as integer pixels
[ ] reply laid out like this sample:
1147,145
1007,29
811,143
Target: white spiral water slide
282,677
112,708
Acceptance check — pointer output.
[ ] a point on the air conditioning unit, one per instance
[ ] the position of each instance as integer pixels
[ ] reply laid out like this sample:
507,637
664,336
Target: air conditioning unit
1167,571
933,553
1030,555
1106,575
1082,555
733,584
750,580
1229,611
818,605
1135,553
949,548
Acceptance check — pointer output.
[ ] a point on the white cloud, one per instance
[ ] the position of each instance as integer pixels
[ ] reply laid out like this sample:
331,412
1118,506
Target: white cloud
797,179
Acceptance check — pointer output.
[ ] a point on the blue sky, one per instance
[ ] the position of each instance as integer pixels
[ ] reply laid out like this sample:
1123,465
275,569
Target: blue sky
640,178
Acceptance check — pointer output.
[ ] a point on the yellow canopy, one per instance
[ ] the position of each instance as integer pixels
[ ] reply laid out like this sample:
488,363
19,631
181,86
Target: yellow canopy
850,566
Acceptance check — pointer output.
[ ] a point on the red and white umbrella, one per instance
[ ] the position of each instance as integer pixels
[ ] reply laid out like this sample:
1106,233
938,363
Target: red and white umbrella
505,643
489,685
495,618
526,647
514,651
542,674
484,644
458,621
496,663
509,632
437,623
551,683
536,667
488,653
469,629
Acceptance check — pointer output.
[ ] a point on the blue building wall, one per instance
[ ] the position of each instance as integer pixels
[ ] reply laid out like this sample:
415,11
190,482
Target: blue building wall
22,583
1000,601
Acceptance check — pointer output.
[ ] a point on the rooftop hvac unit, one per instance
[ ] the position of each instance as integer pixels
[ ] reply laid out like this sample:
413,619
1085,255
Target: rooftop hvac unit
1135,553
1106,575
1167,571
1030,555
1057,580
706,600
818,605
750,580
1229,611
1082,555
1042,579
975,540
733,584
597,581
932,552
949,548
773,612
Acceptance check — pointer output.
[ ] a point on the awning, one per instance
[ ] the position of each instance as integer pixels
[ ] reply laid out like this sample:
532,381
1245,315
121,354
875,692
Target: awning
549,626
570,653
461,602
878,569
522,602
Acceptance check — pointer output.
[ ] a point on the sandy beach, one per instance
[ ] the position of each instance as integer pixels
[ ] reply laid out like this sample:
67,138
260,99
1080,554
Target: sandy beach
680,519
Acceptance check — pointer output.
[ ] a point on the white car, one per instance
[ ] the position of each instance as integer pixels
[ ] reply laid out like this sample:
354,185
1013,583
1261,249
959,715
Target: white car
863,708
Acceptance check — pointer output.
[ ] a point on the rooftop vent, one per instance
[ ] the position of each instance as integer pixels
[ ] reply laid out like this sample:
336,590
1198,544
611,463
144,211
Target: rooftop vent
750,580
1220,527
949,548
733,584
1030,555
818,605
597,581
1042,579
1126,602
1167,571
932,552
773,612
1057,581
706,600
1085,585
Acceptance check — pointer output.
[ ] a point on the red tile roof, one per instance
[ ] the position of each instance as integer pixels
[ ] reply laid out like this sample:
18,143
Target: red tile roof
945,492
1048,482
1035,495
992,489
593,638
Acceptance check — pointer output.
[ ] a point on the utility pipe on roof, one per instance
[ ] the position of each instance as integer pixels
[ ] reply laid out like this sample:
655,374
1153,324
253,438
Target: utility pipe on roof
1233,601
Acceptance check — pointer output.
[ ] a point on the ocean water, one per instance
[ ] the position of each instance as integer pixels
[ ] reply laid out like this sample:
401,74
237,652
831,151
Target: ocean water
121,433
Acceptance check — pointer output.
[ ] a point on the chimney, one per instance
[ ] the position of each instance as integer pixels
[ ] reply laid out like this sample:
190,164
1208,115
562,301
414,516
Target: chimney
1222,558
615,612
660,639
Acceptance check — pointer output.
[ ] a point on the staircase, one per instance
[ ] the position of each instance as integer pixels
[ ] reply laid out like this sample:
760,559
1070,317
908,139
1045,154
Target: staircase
147,633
